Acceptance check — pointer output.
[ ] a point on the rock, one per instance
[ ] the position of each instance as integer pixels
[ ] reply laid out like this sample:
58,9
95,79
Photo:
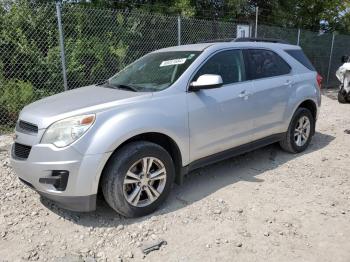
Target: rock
246,234
100,255
84,250
221,201
32,255
343,212
118,259
120,227
217,211
266,234
239,244
240,211
129,255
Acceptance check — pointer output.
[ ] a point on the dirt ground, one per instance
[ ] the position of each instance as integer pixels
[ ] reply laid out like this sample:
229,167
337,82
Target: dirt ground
266,205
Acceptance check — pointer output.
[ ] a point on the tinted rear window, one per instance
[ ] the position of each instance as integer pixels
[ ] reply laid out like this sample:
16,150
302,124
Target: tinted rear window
263,63
299,55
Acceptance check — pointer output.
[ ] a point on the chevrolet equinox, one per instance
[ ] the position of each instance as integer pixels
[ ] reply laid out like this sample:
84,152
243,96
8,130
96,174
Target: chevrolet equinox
171,111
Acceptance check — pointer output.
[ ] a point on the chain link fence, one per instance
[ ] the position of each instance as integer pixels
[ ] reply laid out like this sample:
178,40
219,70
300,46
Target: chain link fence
97,43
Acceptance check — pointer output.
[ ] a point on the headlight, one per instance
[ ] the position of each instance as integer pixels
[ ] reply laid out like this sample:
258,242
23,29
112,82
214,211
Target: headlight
64,132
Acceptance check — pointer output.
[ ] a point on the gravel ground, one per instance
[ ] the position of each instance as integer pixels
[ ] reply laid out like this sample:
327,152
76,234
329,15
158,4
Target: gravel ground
264,205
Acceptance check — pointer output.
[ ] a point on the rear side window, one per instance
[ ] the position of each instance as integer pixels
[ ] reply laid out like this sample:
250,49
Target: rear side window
299,55
264,63
228,64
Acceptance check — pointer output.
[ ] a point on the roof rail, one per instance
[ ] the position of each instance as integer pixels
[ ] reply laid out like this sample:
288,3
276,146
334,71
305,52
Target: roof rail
216,40
253,39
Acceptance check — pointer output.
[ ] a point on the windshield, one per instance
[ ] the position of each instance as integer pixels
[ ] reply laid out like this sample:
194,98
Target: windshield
154,72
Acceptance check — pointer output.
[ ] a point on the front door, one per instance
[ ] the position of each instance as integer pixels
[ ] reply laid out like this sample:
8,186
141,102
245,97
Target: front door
221,118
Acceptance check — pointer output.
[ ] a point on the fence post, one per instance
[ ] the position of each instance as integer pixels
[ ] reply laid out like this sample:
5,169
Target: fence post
178,30
63,57
256,20
330,58
298,41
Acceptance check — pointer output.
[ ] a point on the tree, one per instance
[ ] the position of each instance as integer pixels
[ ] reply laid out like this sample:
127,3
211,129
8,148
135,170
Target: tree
303,13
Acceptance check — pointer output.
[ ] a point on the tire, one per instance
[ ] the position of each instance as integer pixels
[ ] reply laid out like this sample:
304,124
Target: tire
289,142
130,196
342,96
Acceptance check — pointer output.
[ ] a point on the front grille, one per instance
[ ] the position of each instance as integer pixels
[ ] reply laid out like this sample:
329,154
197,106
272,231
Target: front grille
21,151
27,127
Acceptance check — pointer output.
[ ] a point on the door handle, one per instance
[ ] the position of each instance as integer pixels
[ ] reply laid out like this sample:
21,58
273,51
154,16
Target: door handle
288,83
244,94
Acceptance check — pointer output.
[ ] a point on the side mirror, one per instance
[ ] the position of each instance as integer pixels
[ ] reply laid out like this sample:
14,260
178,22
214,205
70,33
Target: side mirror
206,81
344,58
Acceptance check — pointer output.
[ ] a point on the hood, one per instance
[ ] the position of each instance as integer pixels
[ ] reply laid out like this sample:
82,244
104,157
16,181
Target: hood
84,100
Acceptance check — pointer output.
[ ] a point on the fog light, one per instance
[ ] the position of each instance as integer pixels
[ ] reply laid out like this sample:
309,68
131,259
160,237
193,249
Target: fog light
59,179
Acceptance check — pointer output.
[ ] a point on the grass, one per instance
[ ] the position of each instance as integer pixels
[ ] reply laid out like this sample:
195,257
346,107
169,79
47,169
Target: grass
6,129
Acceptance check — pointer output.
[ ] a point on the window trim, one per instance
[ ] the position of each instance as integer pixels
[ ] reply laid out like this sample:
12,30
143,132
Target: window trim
266,49
210,56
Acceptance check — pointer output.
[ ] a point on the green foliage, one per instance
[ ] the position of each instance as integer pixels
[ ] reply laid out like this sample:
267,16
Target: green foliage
14,95
103,36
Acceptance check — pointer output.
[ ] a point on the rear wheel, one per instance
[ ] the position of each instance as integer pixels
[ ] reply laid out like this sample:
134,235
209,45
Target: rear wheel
138,178
300,131
342,96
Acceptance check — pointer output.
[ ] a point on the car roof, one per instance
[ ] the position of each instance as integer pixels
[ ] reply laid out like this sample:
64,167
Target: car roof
221,45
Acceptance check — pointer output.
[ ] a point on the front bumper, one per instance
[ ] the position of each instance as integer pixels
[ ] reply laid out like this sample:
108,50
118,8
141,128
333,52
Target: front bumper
73,203
44,160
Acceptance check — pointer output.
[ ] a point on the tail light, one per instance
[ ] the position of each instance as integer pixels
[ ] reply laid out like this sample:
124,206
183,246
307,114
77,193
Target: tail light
319,79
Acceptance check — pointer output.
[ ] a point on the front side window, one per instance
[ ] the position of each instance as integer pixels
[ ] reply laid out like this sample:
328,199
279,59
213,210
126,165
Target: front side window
264,63
155,71
228,64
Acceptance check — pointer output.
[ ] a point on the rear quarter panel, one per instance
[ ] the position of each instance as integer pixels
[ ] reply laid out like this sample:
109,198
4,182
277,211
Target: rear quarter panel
306,88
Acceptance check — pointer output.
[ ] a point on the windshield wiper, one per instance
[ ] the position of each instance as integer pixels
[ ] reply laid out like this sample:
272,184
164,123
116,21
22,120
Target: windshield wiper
109,85
131,88
106,84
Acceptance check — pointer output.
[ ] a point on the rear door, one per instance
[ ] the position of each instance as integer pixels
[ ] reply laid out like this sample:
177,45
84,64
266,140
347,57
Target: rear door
272,82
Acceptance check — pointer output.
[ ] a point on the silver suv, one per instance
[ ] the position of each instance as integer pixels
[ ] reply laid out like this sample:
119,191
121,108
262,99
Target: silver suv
172,111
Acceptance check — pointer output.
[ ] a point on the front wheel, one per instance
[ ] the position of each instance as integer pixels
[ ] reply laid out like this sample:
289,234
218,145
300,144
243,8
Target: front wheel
300,131
138,178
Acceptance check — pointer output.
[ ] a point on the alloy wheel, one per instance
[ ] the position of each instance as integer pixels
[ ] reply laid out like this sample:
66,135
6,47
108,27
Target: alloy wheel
302,131
144,182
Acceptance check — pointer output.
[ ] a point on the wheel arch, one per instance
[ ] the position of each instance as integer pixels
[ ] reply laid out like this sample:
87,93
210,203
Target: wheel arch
160,139
310,105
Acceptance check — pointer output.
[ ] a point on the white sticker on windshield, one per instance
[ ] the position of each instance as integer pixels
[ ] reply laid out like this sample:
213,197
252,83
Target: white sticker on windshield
178,61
